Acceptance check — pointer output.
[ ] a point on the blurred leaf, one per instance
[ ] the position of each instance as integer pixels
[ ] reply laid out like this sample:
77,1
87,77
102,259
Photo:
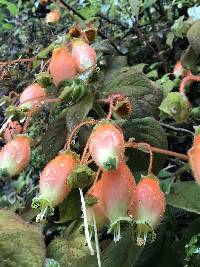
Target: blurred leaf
185,195
55,138
145,130
121,254
148,3
10,6
66,252
180,27
51,263
193,36
20,243
189,59
135,8
170,39
70,208
175,106
145,95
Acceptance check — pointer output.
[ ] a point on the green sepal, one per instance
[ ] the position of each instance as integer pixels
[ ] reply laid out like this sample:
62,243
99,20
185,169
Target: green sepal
111,163
73,90
17,113
143,233
90,201
175,106
81,176
44,79
125,223
44,206
4,173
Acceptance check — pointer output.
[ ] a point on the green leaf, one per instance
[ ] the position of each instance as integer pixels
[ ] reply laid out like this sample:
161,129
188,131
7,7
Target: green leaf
66,252
55,138
148,3
145,130
78,112
145,95
121,254
189,59
70,208
20,243
44,53
135,8
180,27
185,195
10,6
175,106
193,36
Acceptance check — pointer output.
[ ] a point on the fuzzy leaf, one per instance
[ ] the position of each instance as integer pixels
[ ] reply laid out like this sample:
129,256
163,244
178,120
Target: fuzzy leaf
70,208
54,138
66,252
121,254
20,243
189,59
145,96
145,130
185,195
78,112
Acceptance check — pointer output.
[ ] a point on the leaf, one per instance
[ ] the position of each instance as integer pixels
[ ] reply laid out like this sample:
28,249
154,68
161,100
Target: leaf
145,130
70,208
193,36
185,195
66,252
78,112
20,243
10,6
121,254
180,27
145,95
189,59
55,138
148,3
135,8
44,53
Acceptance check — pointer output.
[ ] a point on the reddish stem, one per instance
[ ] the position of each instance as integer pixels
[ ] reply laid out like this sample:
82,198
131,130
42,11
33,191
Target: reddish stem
69,140
189,77
160,151
35,107
5,63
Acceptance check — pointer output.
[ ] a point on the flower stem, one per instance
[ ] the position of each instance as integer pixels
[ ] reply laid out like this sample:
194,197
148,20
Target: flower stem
86,228
96,240
159,150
